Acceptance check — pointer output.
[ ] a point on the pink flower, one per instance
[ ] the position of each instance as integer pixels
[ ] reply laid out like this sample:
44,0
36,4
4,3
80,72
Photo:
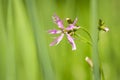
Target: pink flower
69,31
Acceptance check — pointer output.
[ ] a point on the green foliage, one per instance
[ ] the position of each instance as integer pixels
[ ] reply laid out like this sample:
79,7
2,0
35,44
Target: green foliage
25,53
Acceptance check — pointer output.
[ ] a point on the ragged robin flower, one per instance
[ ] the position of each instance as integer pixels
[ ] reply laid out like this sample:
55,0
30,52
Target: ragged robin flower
68,31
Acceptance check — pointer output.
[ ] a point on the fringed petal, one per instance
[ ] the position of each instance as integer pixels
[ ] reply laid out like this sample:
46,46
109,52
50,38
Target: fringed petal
54,31
70,27
59,22
57,40
71,40
75,21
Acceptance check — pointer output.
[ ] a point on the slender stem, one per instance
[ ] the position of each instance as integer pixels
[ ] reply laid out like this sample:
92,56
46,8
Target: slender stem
102,73
84,39
95,53
86,32
101,68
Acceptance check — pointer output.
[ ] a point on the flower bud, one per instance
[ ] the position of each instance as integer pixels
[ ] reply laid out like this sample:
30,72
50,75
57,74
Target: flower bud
89,61
106,29
102,26
69,20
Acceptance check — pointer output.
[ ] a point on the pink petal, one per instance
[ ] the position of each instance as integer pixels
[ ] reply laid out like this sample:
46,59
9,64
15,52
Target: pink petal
59,22
70,39
54,31
70,27
75,21
57,40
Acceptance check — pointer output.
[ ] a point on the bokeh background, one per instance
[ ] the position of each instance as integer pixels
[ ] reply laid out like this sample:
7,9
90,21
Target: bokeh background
25,53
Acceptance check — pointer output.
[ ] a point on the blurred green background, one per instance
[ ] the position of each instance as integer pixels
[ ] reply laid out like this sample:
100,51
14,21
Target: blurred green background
25,53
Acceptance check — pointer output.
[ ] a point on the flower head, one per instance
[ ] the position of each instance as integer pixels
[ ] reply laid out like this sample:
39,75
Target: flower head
102,26
69,31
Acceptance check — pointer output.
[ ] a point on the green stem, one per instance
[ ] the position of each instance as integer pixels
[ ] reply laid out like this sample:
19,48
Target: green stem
86,32
102,73
95,31
84,39
101,68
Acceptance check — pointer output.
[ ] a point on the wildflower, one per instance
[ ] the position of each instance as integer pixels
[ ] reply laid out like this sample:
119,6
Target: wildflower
69,31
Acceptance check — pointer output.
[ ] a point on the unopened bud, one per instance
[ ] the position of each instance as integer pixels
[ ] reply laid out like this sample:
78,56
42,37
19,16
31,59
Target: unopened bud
89,61
69,20
104,28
